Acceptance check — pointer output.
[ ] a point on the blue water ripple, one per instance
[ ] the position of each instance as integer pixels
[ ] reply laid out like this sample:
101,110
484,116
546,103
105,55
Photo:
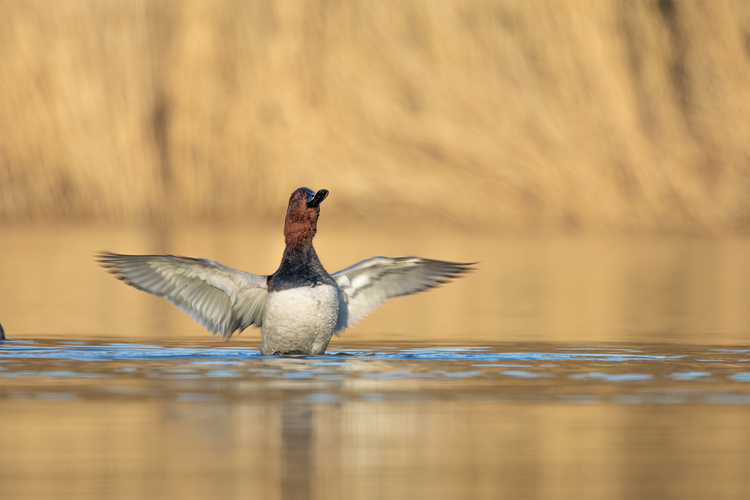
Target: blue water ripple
610,376
136,351
525,374
217,374
689,375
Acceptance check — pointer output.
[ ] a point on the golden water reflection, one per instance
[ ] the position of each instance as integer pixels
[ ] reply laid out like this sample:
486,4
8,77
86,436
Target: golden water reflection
118,420
372,450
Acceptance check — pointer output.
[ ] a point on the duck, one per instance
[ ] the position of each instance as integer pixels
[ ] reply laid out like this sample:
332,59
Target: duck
300,306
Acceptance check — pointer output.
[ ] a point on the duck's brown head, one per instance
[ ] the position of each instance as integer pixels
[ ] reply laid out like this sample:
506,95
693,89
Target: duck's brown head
302,216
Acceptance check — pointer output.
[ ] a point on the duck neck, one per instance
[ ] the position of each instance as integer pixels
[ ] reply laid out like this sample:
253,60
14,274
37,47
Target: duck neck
299,229
297,235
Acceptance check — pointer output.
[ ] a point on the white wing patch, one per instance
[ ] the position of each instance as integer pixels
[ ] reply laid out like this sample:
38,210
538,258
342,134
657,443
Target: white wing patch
367,285
222,299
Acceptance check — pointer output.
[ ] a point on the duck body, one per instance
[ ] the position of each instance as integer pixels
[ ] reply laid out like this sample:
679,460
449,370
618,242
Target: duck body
300,306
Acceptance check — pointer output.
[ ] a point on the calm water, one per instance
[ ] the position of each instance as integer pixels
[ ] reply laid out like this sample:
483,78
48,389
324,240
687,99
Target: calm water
566,367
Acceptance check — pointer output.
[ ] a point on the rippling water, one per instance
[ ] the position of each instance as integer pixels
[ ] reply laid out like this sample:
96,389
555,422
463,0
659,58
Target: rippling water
481,373
120,420
564,368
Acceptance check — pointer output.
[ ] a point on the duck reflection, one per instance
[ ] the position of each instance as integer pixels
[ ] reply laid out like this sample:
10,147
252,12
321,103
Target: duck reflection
296,449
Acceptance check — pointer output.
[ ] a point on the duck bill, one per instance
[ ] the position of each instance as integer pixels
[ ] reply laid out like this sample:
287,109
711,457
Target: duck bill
318,198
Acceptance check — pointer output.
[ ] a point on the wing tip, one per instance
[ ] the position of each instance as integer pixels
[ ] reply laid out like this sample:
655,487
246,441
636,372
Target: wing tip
455,270
109,261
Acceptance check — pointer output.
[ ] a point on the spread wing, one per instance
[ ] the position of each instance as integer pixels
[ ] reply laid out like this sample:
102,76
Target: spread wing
222,299
370,283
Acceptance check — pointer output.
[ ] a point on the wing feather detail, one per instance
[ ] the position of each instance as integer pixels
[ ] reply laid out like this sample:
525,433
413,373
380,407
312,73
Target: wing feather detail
367,285
220,298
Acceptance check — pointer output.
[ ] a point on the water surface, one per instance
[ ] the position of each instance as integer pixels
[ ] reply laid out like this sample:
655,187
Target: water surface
566,367
120,420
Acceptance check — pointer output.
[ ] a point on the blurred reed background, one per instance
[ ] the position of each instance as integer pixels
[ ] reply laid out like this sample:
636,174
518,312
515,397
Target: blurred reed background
605,115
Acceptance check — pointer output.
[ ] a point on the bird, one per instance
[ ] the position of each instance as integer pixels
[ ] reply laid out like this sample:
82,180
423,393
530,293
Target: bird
300,306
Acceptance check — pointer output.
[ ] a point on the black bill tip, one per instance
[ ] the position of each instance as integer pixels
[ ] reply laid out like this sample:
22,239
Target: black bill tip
317,199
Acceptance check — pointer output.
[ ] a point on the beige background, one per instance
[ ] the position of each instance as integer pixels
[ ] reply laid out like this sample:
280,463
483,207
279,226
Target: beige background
607,115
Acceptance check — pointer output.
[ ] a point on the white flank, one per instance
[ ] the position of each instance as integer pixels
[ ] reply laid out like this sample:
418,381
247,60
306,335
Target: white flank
299,320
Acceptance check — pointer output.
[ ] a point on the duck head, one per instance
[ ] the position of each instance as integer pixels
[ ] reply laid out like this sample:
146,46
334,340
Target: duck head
301,222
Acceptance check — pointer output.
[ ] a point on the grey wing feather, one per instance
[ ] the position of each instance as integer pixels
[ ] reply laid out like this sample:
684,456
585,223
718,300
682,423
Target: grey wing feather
367,285
222,299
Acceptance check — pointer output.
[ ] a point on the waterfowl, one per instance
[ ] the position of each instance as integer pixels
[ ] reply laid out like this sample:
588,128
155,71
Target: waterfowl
300,306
